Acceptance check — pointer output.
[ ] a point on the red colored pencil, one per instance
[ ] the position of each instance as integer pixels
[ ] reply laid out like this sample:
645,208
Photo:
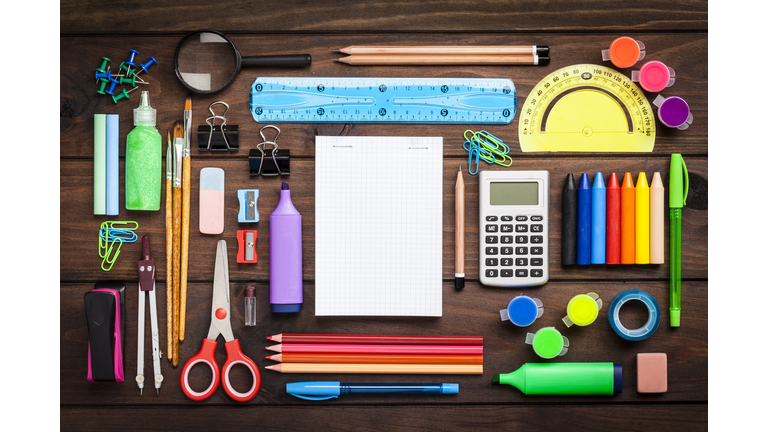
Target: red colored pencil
613,222
376,358
377,349
376,339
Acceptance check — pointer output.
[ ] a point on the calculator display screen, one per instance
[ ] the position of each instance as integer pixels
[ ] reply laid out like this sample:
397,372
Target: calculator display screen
514,193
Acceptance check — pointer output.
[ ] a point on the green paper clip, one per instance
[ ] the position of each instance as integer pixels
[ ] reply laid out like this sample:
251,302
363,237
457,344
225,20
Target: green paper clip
109,234
487,147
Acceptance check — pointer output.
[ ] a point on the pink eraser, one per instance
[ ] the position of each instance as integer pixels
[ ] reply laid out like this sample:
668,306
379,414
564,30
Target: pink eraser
652,373
211,200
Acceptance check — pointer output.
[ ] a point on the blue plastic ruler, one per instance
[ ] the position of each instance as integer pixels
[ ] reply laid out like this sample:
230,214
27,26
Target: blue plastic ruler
383,100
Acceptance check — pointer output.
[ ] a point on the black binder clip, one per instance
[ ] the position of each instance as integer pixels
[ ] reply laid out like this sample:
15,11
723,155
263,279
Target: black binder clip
217,138
277,162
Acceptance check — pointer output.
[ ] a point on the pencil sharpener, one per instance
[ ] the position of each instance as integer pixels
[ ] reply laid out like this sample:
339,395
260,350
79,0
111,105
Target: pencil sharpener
249,200
246,246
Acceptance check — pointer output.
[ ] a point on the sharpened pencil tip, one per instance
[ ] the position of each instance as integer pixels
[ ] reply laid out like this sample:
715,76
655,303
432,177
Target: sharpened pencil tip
337,50
336,60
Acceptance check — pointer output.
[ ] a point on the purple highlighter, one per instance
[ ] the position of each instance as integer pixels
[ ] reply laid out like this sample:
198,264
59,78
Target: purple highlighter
286,289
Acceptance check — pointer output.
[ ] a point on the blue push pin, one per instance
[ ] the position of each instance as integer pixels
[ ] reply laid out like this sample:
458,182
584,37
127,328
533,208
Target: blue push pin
112,86
102,75
145,66
130,61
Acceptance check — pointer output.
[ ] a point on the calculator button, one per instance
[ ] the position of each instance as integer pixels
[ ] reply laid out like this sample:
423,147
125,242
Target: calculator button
507,228
507,251
521,218
537,239
537,272
491,218
537,228
537,262
507,273
537,250
506,262
506,218
507,239
491,228
521,239
521,250
491,250
537,218
521,262
491,261
491,273
521,273
521,228
491,239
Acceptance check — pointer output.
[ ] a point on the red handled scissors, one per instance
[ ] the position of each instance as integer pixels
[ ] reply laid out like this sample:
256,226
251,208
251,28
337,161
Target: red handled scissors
220,325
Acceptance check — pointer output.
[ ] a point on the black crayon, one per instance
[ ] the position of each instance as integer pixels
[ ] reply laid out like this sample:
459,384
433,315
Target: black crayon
569,221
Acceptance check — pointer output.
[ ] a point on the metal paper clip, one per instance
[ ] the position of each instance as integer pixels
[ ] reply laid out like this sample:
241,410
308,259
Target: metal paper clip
277,164
212,123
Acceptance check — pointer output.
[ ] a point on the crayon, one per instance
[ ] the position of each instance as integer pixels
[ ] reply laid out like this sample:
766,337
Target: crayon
584,222
627,220
642,221
568,243
613,221
598,219
657,219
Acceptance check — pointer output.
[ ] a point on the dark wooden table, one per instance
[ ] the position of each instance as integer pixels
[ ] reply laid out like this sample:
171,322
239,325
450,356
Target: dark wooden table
673,32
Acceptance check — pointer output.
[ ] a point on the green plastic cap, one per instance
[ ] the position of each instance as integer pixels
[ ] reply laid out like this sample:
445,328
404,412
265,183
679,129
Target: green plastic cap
674,317
144,115
677,171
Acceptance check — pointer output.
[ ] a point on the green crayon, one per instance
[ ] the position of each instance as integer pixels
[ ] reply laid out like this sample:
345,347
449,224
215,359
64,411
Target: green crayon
565,378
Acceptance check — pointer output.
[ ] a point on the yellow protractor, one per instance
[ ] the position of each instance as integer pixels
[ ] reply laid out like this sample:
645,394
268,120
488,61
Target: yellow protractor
586,108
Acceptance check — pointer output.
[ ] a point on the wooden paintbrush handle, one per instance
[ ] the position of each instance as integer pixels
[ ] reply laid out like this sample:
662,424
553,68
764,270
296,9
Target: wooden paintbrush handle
176,261
169,264
185,187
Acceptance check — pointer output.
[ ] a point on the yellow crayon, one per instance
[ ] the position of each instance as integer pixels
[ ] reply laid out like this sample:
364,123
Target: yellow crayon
642,221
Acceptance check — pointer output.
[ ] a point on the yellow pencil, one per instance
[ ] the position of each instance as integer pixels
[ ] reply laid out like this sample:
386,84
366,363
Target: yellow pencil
642,221
377,368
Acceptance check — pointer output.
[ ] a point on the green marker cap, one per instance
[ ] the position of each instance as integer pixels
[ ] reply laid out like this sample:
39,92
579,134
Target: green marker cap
677,171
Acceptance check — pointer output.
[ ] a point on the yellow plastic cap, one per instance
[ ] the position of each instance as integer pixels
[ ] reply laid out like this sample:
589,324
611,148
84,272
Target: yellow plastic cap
582,309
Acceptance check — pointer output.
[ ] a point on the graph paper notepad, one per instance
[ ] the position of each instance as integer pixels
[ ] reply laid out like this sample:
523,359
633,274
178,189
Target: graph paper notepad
378,226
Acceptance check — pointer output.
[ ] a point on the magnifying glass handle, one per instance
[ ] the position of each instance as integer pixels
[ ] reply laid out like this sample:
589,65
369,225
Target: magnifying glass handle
297,60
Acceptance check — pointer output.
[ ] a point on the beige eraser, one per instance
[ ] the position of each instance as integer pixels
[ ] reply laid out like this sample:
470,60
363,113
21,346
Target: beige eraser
652,373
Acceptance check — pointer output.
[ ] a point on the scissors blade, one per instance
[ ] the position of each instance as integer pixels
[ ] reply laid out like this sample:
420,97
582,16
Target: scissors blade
220,309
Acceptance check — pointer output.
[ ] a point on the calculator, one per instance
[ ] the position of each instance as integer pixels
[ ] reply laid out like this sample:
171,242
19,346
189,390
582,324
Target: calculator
514,228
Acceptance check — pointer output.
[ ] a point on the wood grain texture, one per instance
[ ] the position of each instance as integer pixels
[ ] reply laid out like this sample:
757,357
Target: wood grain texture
81,259
137,16
685,52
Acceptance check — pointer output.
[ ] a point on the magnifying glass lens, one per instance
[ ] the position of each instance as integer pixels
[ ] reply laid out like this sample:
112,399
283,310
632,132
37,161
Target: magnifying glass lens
206,61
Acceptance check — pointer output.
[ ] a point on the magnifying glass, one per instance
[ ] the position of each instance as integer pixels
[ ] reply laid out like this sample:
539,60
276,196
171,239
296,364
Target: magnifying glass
207,61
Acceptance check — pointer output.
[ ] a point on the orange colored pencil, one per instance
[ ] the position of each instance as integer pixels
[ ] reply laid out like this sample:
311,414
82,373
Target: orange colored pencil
376,358
627,220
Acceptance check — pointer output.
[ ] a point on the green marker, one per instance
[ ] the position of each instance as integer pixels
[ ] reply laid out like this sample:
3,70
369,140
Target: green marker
565,378
677,170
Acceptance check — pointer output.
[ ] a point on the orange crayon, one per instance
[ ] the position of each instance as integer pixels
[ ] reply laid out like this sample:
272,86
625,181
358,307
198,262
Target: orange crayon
627,220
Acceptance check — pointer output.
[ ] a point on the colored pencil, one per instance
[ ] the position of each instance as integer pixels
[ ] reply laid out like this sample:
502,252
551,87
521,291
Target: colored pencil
377,349
454,50
642,221
613,221
657,219
376,368
441,60
375,339
627,220
376,358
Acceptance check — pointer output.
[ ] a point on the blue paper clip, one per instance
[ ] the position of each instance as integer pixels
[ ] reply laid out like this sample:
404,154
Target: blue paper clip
109,235
485,146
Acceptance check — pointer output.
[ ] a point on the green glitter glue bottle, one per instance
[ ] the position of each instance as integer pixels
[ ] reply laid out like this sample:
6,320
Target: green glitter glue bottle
143,160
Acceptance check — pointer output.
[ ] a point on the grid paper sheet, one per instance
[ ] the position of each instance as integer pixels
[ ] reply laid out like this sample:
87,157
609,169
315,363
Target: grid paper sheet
378,226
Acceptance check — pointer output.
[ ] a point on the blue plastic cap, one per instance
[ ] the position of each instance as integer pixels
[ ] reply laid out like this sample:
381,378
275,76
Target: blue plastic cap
286,308
522,311
314,390
617,379
450,388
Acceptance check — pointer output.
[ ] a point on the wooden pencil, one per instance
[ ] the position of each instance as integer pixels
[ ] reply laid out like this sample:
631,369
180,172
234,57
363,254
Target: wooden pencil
441,60
459,231
453,50
377,349
376,368
377,358
376,339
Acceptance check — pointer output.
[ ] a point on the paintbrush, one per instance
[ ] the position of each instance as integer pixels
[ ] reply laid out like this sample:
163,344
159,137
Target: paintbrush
178,147
185,186
169,243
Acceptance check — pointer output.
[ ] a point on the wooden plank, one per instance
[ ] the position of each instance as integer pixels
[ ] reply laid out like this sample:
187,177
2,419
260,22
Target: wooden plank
79,227
685,52
473,311
138,16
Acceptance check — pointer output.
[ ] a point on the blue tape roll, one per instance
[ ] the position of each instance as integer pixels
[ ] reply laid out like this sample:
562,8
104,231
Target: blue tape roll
654,315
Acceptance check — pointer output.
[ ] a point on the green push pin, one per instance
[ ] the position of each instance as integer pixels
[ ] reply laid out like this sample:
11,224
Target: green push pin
102,69
126,68
122,95
131,81
103,86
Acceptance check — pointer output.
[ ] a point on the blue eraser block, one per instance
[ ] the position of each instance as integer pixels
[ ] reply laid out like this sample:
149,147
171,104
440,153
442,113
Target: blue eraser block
249,200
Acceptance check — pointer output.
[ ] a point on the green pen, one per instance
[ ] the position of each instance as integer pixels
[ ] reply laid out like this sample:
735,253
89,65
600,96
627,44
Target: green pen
677,198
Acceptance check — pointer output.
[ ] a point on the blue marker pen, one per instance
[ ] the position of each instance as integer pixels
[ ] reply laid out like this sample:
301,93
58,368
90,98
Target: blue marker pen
584,222
322,390
598,219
